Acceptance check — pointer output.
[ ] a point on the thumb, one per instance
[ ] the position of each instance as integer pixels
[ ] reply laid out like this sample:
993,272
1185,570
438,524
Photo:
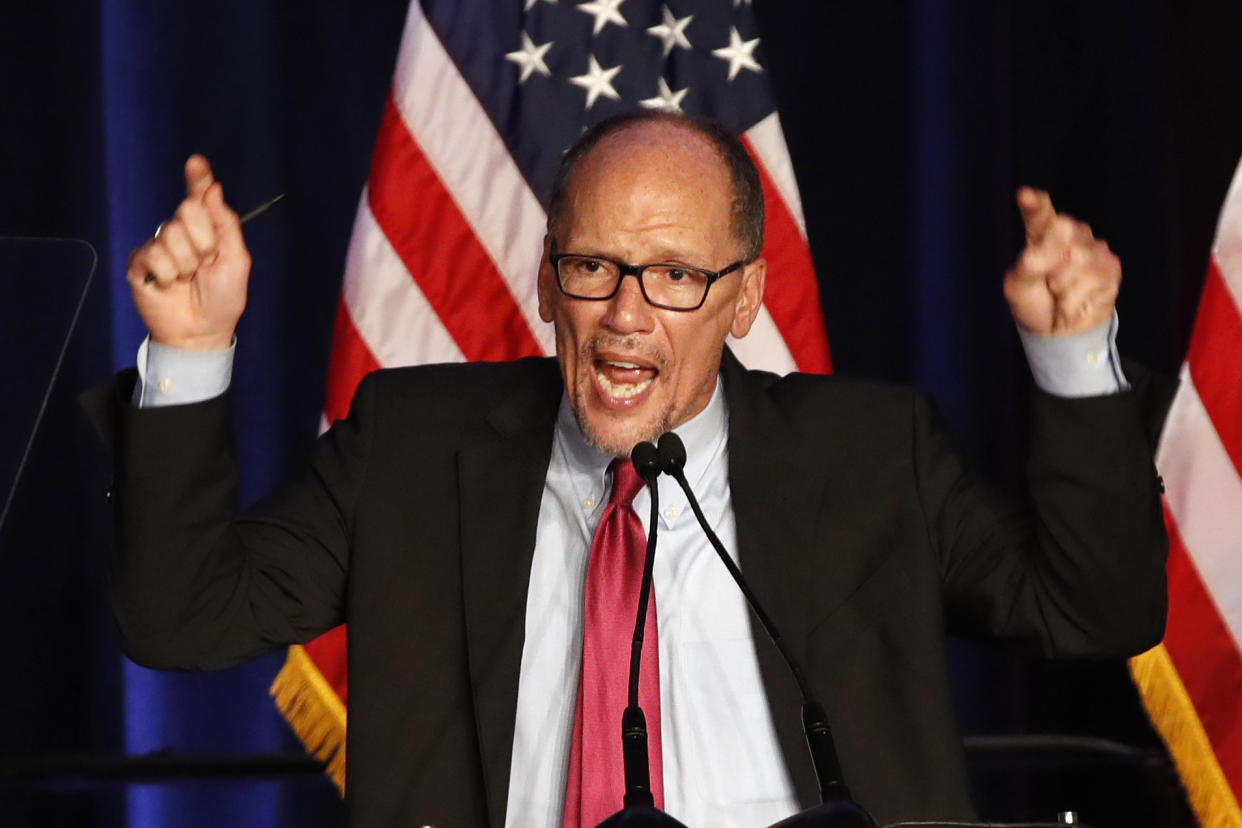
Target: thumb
198,177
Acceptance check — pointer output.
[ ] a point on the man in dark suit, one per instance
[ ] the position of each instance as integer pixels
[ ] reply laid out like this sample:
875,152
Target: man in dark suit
441,519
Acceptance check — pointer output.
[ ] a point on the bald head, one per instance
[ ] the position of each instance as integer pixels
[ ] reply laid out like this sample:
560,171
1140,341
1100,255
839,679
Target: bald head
631,131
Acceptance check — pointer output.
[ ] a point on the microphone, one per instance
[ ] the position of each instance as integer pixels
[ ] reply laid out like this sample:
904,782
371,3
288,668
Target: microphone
837,808
639,809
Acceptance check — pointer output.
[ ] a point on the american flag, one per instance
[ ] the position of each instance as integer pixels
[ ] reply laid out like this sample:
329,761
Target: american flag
445,251
1192,682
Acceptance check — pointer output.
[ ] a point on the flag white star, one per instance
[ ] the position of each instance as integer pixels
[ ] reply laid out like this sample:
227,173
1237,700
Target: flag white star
666,98
672,31
597,81
530,58
739,54
530,4
605,11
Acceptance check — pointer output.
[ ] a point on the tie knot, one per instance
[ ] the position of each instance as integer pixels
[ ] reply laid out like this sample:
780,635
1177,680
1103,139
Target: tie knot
625,482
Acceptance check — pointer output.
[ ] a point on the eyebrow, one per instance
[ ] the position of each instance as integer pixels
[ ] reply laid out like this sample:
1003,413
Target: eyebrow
666,254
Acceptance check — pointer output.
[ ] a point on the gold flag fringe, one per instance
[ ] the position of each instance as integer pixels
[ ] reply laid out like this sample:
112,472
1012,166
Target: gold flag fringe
1173,714
313,710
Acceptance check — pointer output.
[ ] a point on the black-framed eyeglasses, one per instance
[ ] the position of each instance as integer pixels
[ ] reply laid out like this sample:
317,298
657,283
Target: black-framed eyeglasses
664,285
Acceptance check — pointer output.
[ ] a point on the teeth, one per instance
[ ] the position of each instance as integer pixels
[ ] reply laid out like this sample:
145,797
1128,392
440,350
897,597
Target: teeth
622,390
623,364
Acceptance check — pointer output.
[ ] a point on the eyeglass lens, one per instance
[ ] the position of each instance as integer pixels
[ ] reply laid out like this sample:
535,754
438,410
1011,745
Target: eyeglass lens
674,286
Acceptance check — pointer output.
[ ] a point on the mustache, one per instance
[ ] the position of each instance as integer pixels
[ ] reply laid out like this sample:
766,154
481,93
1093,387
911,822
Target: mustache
630,344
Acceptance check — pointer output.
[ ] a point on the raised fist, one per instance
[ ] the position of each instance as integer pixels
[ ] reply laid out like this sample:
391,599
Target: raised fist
189,279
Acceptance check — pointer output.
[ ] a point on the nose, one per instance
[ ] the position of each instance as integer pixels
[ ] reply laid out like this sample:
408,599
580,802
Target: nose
628,311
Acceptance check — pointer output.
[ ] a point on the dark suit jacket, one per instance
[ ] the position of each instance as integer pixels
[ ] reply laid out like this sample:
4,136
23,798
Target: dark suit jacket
856,524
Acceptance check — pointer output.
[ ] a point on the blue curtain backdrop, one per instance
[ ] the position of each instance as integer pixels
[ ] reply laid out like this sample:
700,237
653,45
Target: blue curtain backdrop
910,123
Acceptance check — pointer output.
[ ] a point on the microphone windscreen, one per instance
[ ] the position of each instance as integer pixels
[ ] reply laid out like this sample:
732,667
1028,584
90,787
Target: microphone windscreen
646,460
672,453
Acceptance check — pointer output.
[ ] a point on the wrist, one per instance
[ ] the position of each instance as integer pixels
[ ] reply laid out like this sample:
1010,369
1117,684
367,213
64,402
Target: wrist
1082,364
205,342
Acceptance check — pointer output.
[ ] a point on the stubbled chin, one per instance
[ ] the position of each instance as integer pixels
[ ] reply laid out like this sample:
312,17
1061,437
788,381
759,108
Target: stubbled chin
615,432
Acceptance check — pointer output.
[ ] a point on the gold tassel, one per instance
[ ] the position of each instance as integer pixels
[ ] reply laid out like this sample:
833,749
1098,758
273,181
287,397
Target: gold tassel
313,710
1173,714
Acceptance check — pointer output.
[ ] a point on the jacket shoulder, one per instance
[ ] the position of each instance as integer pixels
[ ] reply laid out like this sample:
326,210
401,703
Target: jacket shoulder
452,388
832,399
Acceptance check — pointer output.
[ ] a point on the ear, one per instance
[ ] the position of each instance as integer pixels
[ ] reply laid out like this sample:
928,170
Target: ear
547,282
749,298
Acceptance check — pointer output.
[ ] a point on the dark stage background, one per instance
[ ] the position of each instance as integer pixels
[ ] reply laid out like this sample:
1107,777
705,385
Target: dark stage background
910,125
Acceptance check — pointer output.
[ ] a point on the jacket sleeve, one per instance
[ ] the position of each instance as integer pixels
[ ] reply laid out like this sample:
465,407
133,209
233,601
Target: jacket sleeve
1080,569
197,586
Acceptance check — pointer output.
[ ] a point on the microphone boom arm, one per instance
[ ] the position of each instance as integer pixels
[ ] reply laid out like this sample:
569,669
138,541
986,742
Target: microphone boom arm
633,722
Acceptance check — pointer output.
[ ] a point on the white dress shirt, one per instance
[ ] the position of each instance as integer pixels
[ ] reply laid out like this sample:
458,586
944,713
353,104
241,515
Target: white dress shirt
722,762
714,774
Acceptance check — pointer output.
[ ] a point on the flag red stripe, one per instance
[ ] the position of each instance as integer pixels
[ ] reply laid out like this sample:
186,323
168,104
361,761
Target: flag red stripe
792,295
349,362
1215,346
327,653
1206,658
441,252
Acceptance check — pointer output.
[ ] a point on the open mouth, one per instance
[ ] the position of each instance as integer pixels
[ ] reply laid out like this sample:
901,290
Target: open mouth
622,381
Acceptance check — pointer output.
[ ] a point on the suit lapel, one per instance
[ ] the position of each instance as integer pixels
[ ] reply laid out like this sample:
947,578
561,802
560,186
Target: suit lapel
501,480
774,493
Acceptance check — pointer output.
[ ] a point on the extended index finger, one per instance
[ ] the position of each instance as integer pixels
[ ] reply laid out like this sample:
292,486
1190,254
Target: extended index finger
198,177
1037,212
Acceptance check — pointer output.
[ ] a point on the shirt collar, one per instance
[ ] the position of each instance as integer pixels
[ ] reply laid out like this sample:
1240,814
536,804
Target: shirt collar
703,435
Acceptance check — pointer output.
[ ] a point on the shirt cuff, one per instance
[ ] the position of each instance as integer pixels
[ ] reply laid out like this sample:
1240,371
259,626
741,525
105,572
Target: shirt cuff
1076,365
174,376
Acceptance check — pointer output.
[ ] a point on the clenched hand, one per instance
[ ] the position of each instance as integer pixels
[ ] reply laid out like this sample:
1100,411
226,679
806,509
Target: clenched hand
189,280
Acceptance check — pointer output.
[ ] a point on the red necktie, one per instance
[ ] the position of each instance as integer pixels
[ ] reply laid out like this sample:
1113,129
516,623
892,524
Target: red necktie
595,787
